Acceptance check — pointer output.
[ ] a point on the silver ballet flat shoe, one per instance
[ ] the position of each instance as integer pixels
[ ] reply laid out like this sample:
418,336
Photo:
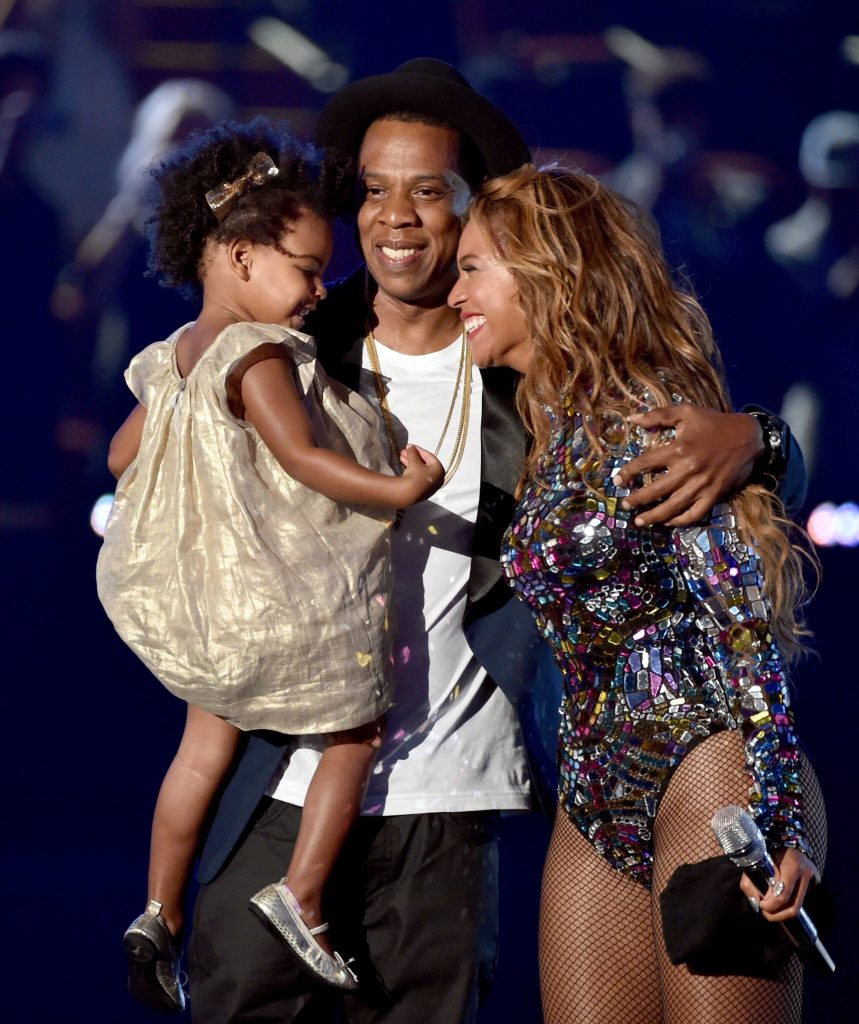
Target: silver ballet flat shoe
278,908
153,962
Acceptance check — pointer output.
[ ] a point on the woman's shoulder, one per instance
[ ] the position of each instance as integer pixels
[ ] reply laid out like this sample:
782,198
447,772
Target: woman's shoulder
607,430
620,433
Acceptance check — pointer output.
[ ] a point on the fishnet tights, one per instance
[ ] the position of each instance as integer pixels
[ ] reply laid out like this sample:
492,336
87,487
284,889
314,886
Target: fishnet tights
602,957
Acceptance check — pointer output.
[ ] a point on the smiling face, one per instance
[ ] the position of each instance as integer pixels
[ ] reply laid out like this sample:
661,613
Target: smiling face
407,221
488,302
285,283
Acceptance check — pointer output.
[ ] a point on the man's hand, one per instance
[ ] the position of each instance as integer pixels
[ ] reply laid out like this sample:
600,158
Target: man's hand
712,454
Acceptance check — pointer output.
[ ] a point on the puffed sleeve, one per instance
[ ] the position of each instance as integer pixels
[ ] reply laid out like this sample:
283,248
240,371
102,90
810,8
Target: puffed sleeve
147,369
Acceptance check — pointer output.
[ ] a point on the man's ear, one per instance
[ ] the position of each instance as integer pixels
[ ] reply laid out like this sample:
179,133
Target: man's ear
240,254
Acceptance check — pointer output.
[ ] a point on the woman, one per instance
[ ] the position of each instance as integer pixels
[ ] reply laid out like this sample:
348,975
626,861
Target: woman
676,702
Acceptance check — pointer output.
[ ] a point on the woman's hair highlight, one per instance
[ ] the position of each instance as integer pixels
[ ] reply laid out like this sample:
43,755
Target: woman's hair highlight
612,331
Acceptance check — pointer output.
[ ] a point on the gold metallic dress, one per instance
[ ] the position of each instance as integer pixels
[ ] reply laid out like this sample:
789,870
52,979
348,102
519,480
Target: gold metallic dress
248,594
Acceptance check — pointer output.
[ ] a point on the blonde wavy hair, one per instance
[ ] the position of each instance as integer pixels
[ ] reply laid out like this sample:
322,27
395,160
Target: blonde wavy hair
609,326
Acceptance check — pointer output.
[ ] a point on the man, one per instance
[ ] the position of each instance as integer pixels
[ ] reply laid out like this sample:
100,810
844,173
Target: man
416,898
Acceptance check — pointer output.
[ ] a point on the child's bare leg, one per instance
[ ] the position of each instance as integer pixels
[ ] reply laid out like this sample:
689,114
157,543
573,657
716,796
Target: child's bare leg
205,753
332,804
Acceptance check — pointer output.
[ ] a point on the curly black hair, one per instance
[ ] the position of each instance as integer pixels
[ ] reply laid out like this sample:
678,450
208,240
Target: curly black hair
183,222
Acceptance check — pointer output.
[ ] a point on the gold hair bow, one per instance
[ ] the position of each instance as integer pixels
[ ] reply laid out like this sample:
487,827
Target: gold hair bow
223,198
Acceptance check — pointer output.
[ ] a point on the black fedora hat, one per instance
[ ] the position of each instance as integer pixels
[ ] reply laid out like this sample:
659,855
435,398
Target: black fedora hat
423,86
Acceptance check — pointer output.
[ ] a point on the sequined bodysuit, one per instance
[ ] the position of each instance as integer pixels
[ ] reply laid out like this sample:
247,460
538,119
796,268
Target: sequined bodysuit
663,640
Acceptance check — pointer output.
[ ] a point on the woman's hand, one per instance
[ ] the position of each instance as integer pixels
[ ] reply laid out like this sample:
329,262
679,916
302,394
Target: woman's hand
712,454
797,872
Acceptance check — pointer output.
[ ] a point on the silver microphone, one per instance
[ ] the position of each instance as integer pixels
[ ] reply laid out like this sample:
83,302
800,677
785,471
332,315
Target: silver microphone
742,842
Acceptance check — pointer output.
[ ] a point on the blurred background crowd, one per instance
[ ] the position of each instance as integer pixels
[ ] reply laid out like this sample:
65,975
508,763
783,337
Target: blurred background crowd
736,124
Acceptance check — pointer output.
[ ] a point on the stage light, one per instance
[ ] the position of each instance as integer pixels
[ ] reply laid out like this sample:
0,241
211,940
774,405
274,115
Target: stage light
831,525
850,49
100,512
299,54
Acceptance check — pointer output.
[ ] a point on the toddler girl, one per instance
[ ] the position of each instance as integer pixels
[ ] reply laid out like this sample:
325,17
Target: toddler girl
246,558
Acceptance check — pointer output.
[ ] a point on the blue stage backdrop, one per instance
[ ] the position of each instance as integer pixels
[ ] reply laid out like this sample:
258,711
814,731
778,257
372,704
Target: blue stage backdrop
734,123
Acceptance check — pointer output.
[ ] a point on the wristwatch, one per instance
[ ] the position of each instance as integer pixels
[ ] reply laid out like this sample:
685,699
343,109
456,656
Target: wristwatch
772,461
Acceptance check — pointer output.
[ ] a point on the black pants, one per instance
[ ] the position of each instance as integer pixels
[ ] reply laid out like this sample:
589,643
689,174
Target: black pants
414,898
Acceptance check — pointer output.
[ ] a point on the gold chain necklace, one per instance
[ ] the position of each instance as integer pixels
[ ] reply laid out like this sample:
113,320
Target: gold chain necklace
463,382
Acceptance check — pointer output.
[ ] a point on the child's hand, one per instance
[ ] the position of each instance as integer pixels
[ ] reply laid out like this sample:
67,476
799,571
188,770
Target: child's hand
422,476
